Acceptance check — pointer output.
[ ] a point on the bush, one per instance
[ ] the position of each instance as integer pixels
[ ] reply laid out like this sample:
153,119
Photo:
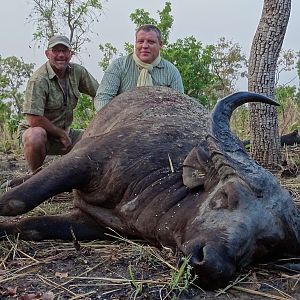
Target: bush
84,112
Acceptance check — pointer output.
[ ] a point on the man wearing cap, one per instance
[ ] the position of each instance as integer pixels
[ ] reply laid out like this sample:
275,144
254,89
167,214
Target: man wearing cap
51,96
144,67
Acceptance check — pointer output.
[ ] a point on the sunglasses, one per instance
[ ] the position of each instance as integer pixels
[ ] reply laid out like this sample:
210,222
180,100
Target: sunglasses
57,51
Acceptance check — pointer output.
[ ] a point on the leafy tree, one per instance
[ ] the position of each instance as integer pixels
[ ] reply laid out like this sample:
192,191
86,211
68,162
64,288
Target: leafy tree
140,17
73,18
13,74
286,62
109,52
193,61
298,64
228,64
5,113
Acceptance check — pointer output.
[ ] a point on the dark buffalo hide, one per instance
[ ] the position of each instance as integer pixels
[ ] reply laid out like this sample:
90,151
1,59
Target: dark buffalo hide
155,164
292,138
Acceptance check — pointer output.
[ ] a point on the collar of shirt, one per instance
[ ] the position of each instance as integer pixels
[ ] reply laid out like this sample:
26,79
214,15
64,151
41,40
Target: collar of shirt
160,65
51,72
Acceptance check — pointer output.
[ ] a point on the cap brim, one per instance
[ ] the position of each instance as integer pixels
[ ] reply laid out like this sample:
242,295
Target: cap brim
59,43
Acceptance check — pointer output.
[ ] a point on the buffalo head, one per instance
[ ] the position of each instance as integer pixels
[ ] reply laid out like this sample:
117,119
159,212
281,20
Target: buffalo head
241,213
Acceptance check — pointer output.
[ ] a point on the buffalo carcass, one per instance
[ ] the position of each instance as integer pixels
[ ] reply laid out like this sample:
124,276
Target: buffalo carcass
153,164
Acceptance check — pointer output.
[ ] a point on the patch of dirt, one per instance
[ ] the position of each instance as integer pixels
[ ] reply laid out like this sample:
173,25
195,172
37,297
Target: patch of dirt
122,269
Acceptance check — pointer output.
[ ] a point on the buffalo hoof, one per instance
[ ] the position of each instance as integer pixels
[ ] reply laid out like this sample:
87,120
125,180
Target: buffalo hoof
12,207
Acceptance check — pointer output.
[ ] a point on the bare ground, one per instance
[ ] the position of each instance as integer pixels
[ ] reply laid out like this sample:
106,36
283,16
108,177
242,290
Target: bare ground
122,269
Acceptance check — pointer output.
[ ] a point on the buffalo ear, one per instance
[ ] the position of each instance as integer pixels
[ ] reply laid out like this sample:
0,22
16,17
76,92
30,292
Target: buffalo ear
195,167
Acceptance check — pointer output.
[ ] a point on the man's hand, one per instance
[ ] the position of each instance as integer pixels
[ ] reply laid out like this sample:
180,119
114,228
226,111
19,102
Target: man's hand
66,141
51,129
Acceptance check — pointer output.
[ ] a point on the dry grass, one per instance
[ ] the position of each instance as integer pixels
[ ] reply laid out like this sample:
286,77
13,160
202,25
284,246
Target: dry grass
97,268
59,271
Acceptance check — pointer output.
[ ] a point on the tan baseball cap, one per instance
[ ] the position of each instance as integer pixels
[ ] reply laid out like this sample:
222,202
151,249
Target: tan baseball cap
59,40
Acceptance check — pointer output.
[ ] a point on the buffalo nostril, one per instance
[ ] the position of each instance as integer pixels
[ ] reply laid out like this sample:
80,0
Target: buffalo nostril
197,256
212,266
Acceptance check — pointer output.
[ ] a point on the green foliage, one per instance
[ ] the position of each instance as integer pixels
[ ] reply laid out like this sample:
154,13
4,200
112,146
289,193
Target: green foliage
5,113
128,48
239,122
285,63
9,141
138,286
289,109
13,73
288,113
166,21
109,52
286,94
83,112
193,62
73,18
8,129
182,278
140,17
228,65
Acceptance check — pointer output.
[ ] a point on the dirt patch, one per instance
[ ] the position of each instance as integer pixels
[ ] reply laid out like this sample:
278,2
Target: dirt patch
122,269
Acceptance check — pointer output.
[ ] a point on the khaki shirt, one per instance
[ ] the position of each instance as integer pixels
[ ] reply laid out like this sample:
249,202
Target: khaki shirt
45,96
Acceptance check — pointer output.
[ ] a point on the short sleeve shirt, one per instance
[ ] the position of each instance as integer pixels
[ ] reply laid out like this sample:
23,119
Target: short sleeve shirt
45,96
122,75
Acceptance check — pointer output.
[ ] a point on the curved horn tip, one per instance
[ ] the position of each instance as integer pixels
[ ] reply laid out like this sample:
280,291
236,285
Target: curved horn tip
257,97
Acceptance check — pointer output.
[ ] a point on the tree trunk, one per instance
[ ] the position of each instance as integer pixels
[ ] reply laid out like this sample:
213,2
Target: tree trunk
265,50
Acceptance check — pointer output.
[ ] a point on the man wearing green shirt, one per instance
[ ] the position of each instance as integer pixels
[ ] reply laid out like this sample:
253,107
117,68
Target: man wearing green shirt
51,96
144,67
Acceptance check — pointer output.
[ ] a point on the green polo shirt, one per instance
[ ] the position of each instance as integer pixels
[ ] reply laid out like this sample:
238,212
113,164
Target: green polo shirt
122,75
45,96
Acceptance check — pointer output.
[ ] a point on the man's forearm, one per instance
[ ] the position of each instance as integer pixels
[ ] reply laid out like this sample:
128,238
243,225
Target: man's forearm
101,100
42,121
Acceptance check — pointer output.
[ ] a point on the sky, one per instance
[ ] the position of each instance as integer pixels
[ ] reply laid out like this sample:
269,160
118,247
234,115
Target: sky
206,20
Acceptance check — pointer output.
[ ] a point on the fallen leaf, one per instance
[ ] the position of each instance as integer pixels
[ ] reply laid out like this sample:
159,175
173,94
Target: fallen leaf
48,296
30,296
11,291
61,275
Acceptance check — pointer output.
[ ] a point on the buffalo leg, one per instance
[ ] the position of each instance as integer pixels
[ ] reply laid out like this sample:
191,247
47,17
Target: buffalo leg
65,227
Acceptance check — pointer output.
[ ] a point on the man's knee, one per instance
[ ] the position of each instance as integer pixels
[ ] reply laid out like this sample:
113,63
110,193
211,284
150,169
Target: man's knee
34,136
